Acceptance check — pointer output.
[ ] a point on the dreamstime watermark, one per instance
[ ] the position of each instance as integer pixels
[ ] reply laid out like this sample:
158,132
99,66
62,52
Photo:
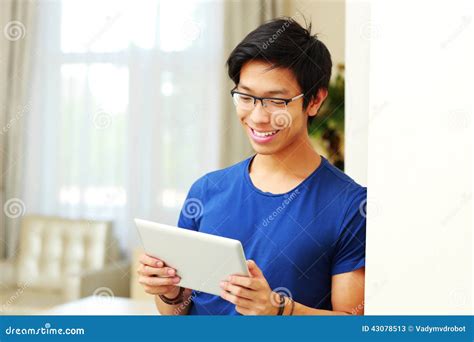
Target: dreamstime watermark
369,31
14,30
184,304
372,203
459,297
282,29
288,199
109,22
14,208
19,114
361,127
277,293
13,298
281,119
193,208
375,288
465,199
459,119
103,294
363,208
102,120
465,21
358,309
46,330
277,33
190,30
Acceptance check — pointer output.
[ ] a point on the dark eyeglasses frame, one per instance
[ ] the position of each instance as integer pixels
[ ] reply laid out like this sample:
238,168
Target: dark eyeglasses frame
255,98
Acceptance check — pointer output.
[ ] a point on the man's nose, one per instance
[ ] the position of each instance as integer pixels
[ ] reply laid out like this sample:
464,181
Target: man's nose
259,114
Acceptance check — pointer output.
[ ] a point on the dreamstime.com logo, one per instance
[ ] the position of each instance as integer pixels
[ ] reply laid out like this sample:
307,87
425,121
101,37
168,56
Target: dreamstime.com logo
102,120
14,30
14,208
285,203
5,306
281,119
186,303
277,34
103,294
193,208
14,119
46,330
276,293
190,30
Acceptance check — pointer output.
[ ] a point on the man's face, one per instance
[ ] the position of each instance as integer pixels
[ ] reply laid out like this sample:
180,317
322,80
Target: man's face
270,133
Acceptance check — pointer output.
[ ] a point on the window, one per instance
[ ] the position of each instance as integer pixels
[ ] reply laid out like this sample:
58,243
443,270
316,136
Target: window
123,105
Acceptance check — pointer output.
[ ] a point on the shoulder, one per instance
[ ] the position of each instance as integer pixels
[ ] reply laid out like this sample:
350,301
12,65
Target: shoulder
341,188
219,178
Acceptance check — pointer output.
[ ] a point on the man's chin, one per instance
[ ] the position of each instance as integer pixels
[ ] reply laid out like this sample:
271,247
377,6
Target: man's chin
265,150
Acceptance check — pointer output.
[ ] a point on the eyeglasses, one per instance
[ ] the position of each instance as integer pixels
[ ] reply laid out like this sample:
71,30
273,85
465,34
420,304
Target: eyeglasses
270,104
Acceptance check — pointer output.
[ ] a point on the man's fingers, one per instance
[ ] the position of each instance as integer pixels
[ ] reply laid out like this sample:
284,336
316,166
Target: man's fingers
244,281
150,261
238,291
156,271
155,281
254,270
238,301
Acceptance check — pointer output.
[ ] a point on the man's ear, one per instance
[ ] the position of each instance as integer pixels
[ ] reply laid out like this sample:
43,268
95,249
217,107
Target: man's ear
317,101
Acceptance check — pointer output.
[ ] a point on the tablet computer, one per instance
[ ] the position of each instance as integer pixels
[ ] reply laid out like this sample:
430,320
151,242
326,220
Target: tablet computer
201,260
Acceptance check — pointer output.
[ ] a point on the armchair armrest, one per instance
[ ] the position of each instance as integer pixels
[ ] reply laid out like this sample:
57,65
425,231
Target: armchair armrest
7,272
112,280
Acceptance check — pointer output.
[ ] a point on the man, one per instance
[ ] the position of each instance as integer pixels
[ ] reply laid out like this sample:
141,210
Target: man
301,220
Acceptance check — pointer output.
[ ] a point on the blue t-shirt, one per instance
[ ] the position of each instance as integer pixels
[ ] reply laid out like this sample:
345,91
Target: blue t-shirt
299,239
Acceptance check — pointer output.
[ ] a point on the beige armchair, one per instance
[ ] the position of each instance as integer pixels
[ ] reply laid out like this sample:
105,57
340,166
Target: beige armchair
61,260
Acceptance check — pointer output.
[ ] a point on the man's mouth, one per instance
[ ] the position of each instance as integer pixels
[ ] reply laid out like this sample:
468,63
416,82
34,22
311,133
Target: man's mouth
264,133
261,136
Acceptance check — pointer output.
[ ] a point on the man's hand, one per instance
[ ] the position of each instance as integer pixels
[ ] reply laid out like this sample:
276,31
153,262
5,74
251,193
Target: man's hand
251,295
156,278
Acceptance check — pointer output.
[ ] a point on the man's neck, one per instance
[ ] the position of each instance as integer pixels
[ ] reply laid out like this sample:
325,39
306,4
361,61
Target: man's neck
298,160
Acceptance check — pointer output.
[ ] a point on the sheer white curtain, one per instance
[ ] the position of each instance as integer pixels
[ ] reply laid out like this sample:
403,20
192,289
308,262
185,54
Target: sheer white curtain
17,21
125,109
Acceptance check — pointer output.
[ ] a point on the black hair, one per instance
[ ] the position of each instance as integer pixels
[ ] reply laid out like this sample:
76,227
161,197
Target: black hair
286,44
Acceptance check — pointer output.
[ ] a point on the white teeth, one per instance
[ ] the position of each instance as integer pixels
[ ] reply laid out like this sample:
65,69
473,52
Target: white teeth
263,134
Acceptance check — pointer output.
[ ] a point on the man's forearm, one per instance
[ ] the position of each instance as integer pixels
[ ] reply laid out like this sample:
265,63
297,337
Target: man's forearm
176,309
302,310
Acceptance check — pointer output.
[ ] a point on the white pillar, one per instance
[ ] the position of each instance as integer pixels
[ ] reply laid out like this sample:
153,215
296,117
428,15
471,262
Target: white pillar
358,35
419,231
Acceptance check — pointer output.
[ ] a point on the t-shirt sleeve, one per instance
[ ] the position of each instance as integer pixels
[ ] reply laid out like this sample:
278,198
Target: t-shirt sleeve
350,246
193,207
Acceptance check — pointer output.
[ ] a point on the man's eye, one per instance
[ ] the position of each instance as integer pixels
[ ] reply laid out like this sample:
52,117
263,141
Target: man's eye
246,98
277,102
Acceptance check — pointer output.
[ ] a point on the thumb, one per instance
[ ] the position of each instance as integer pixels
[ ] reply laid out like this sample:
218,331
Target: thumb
254,269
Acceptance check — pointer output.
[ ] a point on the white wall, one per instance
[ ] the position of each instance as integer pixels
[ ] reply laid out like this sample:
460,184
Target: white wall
358,35
419,239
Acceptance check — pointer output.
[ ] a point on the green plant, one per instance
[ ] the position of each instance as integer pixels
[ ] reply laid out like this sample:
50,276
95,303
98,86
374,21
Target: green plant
327,128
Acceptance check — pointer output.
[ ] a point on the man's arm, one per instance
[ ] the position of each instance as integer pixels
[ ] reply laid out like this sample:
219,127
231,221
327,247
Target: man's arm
252,294
176,309
347,296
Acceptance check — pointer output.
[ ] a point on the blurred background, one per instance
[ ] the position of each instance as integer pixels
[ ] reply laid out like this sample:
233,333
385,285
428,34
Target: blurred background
110,111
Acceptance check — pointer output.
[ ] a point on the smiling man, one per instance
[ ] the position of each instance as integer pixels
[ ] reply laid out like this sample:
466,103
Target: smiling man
301,220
